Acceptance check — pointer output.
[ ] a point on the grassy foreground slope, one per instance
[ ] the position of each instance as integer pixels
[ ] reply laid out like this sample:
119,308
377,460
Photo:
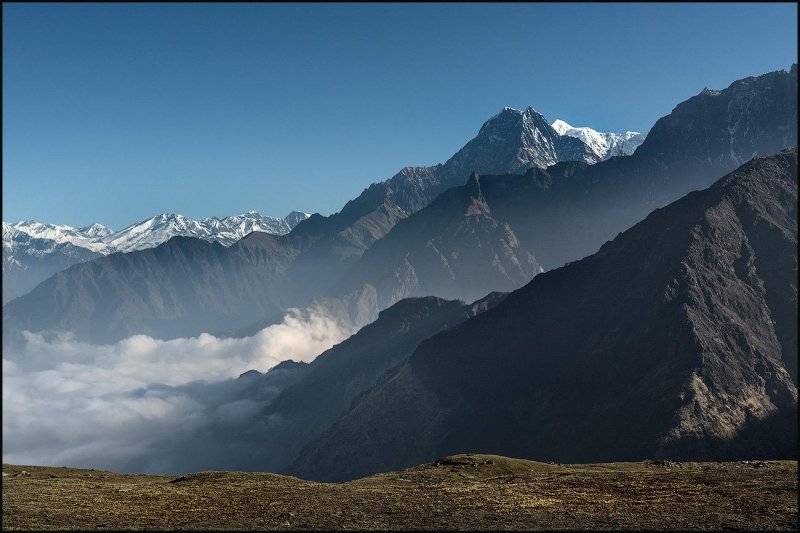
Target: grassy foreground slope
458,492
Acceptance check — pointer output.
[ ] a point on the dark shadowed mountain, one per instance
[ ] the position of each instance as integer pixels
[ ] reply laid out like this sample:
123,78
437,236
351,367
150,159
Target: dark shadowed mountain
283,409
678,339
491,234
339,375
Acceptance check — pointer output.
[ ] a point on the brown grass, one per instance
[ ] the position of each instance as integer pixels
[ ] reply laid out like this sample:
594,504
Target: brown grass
462,492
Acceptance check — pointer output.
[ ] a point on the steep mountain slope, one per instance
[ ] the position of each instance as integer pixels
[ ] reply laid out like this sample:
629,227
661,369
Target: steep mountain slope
604,145
745,120
677,339
510,142
261,421
322,390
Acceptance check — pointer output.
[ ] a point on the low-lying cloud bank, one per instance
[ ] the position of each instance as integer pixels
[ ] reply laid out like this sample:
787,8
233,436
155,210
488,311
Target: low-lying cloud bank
142,404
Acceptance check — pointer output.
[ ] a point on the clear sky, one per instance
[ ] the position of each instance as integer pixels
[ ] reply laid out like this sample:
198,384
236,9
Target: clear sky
114,113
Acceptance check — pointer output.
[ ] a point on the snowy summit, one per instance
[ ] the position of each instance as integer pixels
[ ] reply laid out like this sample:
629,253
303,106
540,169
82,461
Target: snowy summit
605,145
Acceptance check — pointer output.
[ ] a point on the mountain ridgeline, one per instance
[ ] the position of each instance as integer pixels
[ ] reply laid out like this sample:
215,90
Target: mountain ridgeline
539,199
677,340
33,251
497,232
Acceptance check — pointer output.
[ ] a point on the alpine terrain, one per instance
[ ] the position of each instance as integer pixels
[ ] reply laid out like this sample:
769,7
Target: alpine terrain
676,340
483,234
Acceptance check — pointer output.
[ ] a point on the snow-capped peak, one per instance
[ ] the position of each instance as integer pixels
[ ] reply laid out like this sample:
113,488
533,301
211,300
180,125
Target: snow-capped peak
96,231
160,228
150,232
514,141
605,145
560,126
89,237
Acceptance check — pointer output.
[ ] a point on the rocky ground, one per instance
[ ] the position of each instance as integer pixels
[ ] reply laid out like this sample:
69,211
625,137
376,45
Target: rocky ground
460,492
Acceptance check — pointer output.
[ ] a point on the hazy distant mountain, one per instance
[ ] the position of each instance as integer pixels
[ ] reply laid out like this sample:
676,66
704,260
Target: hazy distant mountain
511,141
539,219
677,340
177,289
27,259
456,247
34,251
604,145
291,220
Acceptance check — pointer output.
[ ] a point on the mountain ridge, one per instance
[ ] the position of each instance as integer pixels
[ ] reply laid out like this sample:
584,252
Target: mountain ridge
33,251
597,201
661,344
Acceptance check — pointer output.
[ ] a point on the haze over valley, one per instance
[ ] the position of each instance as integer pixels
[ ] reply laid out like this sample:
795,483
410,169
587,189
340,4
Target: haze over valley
545,300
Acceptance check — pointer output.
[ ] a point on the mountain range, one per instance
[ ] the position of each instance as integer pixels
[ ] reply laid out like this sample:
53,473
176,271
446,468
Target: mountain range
497,232
33,251
305,262
493,231
633,296
676,340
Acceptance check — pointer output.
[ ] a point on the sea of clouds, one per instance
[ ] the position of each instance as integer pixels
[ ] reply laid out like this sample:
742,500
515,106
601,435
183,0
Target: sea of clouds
139,404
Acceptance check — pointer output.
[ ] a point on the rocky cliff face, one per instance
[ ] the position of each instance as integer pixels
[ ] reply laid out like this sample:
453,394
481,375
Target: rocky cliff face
676,340
722,129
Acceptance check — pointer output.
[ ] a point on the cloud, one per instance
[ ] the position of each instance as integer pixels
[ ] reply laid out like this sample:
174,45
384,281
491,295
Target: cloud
137,405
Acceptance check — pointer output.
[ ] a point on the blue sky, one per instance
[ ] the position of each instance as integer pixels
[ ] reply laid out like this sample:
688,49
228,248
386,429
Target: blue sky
113,113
